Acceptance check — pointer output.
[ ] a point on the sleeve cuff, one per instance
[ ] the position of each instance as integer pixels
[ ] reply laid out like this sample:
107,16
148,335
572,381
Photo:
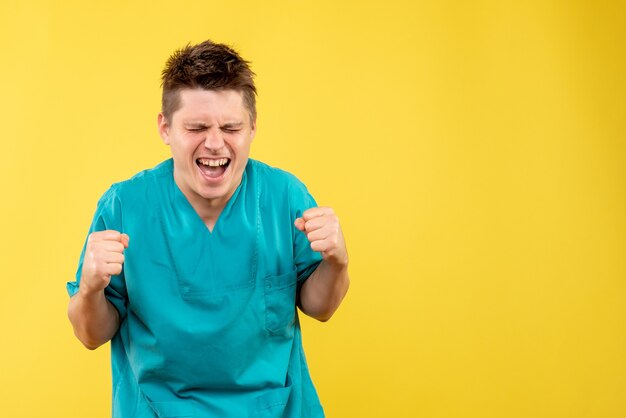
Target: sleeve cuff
117,302
304,274
72,288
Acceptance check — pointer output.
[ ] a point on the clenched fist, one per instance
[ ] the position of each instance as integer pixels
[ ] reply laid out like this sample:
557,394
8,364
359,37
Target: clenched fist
322,229
104,256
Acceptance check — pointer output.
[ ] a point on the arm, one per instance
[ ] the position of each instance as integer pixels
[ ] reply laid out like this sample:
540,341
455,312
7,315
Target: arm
322,293
94,318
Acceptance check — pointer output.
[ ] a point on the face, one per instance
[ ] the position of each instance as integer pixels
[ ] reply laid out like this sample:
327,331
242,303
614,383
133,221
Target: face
210,137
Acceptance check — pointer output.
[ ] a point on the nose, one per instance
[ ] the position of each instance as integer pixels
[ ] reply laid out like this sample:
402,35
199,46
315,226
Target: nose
213,140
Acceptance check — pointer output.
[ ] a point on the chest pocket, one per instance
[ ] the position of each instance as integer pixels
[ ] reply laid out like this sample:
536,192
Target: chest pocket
177,409
280,302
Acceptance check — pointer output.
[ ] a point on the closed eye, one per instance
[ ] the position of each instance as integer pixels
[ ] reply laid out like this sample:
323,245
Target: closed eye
231,127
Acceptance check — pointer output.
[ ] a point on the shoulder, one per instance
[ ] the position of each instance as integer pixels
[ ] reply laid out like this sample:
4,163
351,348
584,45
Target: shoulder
280,187
275,178
130,196
136,186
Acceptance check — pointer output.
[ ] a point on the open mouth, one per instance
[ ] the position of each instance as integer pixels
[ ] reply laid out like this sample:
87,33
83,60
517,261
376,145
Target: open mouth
213,168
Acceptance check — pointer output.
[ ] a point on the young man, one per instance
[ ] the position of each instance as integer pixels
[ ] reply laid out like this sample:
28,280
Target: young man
193,268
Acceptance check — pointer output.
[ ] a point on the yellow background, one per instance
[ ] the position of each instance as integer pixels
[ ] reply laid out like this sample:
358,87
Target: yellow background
474,150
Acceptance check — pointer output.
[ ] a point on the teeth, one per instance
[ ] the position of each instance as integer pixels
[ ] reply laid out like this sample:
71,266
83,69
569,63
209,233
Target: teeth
213,163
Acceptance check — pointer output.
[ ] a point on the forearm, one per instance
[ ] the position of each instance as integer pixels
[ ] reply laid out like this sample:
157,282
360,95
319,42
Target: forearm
94,318
322,293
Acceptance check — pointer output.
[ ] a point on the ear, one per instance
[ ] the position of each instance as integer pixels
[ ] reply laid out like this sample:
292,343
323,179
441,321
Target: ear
164,128
252,129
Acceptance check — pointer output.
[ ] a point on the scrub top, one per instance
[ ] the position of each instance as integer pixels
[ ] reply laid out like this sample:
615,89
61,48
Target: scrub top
209,326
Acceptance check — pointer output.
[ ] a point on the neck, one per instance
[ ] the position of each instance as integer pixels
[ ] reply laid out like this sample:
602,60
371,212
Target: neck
207,209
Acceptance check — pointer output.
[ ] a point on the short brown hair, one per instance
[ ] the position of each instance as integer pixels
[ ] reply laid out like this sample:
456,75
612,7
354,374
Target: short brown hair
210,66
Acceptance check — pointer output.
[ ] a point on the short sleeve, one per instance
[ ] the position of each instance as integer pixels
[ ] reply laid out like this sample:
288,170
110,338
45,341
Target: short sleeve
108,216
305,259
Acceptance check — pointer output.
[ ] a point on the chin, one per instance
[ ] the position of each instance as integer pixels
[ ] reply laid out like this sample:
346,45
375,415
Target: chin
212,194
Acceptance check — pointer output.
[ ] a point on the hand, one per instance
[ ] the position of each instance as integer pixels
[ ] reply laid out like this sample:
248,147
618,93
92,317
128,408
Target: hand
322,229
104,256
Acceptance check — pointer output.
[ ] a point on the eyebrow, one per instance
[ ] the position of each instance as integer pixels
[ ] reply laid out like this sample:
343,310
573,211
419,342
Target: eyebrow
195,125
230,125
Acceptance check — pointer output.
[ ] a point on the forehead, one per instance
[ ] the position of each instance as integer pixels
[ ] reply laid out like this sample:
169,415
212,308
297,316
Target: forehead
210,105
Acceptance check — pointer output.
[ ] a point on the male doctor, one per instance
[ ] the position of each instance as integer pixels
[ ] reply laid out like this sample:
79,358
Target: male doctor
194,268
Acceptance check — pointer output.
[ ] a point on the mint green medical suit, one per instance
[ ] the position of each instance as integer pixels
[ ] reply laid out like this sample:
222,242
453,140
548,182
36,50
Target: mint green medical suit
208,319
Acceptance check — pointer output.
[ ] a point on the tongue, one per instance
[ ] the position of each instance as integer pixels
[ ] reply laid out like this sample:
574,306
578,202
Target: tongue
212,171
